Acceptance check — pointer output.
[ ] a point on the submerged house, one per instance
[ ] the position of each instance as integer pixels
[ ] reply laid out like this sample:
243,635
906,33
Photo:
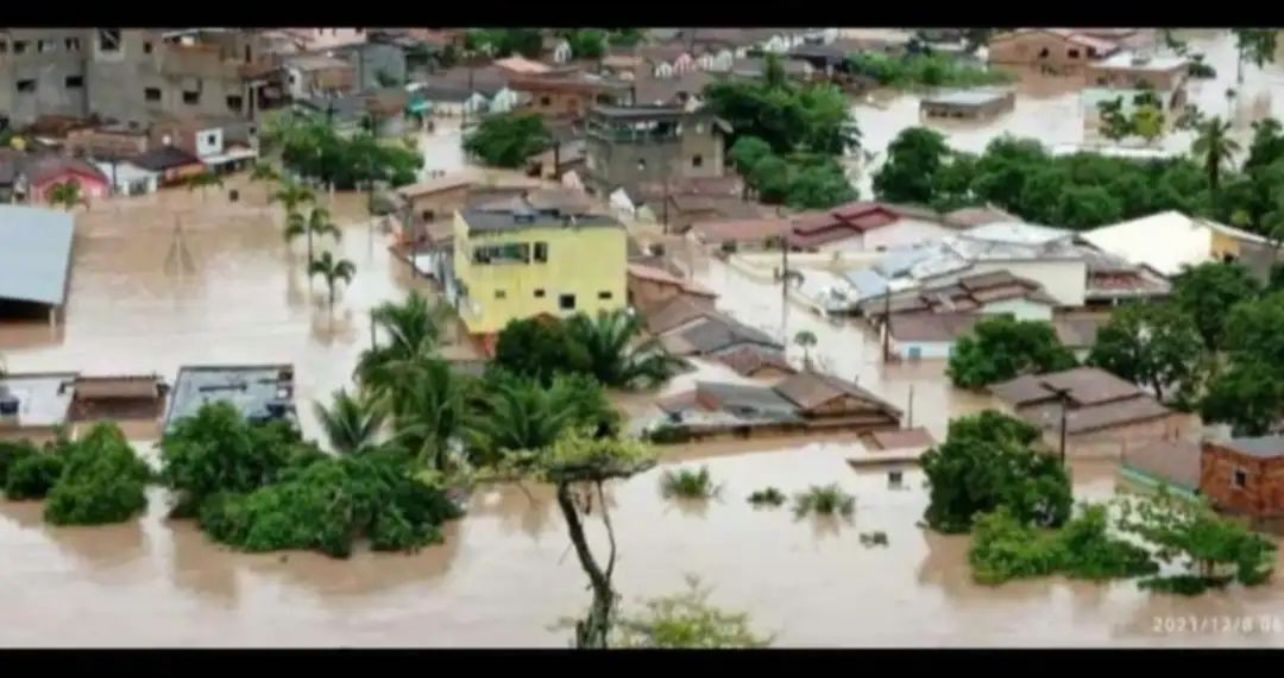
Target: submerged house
260,392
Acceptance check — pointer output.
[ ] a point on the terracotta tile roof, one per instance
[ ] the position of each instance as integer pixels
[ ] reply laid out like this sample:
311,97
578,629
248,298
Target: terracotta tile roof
1175,462
749,360
517,64
1088,386
50,167
737,230
809,390
679,311
932,327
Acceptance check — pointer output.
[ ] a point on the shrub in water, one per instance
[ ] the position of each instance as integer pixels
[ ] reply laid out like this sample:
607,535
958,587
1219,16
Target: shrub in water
103,481
826,501
688,484
11,452
767,497
32,477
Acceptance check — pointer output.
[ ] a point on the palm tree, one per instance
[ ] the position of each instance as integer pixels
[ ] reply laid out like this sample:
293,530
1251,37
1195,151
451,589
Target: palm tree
1214,148
350,423
430,409
616,358
203,181
265,172
333,270
414,330
521,415
66,194
292,196
317,223
806,340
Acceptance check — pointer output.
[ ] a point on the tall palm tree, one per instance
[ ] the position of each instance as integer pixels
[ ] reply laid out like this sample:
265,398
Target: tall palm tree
521,415
333,270
292,196
430,409
1214,148
203,181
617,359
413,328
66,194
316,223
265,172
350,423
807,340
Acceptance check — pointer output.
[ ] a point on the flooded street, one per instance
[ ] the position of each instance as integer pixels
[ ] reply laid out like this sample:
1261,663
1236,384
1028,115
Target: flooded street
505,574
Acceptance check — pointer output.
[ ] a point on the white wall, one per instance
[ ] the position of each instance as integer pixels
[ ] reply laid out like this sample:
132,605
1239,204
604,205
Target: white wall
906,232
1021,309
1066,281
209,142
927,350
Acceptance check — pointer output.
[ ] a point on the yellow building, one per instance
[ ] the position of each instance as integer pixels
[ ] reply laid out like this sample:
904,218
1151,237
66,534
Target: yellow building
515,261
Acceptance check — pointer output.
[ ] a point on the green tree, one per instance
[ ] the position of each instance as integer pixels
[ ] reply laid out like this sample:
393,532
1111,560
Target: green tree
1256,45
1000,348
625,37
292,196
787,116
202,181
1148,122
986,462
1248,395
617,356
1214,148
431,410
686,621
914,159
1084,207
102,481
1155,345
541,348
521,415
1208,292
1267,146
66,194
819,185
316,224
413,328
332,271
32,476
12,452
747,151
1113,125
587,43
508,139
807,341
351,423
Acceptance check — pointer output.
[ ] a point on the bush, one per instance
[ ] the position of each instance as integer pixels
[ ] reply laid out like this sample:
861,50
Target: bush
873,538
540,349
11,453
1184,584
767,497
32,477
930,70
826,501
669,434
330,504
688,484
103,481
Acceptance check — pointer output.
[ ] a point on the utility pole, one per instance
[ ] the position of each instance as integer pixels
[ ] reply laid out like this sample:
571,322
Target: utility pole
887,325
784,275
1063,395
909,412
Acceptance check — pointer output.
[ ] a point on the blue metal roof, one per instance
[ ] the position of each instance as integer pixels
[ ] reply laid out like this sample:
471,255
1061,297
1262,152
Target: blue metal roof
35,254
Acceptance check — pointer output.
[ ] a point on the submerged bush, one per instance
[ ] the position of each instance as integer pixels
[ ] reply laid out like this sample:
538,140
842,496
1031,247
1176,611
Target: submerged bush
826,501
330,504
1184,584
686,621
33,476
688,484
11,452
767,497
878,538
669,434
103,481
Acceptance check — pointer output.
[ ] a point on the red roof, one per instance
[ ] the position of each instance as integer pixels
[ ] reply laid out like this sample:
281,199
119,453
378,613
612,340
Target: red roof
58,168
819,227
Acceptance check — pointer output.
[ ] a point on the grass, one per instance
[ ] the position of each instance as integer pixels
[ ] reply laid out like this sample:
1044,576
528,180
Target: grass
827,500
767,497
924,70
688,484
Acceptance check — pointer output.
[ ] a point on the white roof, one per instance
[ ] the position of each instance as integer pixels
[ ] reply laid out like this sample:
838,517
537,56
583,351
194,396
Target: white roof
1138,62
1165,242
1016,233
35,253
125,171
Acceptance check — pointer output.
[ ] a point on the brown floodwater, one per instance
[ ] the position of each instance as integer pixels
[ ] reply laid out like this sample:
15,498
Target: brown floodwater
505,573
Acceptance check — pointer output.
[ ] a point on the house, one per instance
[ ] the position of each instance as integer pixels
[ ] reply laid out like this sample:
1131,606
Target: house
970,104
1245,477
173,166
260,392
894,447
210,140
679,311
34,406
1112,280
569,93
128,178
1105,416
685,90
429,201
1188,241
376,64
44,172
449,100
993,293
118,398
801,403
711,333
547,253
35,258
517,65
758,362
755,68
650,287
629,146
1134,71
105,142
931,336
1052,50
666,60
561,52
864,226
686,210
739,235
314,75
1173,464
381,112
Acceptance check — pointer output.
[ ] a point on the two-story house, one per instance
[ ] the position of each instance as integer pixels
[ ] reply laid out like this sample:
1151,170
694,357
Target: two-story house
629,146
543,253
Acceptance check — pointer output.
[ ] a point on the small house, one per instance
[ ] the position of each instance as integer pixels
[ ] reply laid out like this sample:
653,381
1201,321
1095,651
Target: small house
118,398
650,287
1245,476
171,165
128,178
1051,50
260,392
1173,464
34,406
972,104
43,173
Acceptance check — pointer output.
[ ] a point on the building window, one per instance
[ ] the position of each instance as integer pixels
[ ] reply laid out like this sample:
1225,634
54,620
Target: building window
1074,54
1043,53
501,294
109,40
19,46
26,85
147,48
73,44
697,160
211,140
545,101
539,294
191,98
604,295
4,46
1240,480
428,215
74,81
43,46
541,252
566,302
234,102
152,94
1092,52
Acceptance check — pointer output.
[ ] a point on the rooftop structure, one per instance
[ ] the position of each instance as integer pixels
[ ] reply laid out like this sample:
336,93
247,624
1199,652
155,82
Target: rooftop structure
35,403
35,254
1096,400
259,392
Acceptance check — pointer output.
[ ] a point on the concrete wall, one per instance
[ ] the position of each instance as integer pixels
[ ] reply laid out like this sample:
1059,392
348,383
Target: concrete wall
1035,48
49,71
1115,442
1021,309
926,350
613,163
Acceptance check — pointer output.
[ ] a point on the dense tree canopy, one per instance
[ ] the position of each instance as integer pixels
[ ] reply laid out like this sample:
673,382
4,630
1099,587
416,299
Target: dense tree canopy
1155,345
503,42
786,115
914,160
508,139
1248,393
1208,292
922,70
102,481
313,149
1000,348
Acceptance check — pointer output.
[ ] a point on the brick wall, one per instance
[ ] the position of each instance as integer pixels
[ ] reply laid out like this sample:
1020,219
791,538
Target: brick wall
1262,494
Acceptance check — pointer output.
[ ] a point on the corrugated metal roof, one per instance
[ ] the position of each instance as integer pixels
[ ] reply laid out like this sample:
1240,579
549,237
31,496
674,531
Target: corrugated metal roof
35,254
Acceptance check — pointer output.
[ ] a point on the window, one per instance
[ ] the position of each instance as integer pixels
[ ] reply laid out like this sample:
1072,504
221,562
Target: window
211,139
1101,81
152,94
19,46
566,302
147,48
1240,479
234,102
1092,52
697,160
73,44
43,46
501,294
508,253
248,58
26,85
541,253
4,46
1043,53
1074,54
545,101
74,82
539,294
109,40
191,98
641,164
428,215
604,295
